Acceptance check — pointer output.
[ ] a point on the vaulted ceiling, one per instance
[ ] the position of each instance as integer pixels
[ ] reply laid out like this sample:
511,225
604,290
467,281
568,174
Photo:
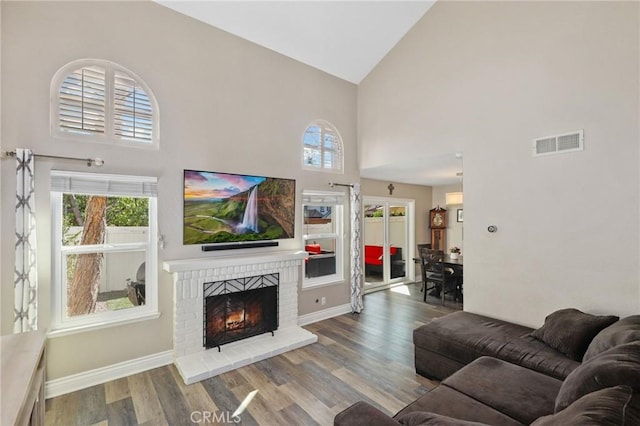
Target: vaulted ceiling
346,39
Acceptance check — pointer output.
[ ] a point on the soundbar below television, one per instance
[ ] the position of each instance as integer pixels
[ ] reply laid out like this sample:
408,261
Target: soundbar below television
234,208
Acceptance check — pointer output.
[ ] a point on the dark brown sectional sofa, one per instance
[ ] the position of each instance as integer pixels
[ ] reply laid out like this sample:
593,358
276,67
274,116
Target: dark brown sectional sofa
577,369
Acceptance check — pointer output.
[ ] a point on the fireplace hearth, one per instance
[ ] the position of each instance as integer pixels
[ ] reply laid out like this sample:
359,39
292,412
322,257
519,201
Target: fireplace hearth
239,309
226,274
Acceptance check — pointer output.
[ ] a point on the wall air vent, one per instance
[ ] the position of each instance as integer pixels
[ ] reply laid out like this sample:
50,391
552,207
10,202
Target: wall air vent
566,142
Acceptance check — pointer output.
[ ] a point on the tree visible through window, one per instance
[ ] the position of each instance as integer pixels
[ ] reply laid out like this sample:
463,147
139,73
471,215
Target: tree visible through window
105,249
86,220
322,147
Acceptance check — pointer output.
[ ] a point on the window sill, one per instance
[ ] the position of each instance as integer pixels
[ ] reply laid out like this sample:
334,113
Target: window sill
310,285
74,329
322,169
106,140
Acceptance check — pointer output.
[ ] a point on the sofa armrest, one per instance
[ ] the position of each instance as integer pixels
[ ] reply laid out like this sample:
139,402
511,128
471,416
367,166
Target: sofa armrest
363,414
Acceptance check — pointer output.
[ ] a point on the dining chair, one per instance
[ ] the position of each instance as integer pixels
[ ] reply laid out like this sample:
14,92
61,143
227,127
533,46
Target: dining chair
433,271
453,283
422,247
459,296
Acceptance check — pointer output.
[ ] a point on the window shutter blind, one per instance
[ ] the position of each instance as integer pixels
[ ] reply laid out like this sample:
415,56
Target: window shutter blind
100,184
103,101
332,150
322,198
82,101
312,146
133,113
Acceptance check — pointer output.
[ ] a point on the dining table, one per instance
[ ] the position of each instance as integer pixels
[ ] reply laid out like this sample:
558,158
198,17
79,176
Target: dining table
447,259
451,261
457,265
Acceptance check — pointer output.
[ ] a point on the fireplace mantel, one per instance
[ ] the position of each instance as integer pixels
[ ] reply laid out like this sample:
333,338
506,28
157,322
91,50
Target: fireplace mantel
190,276
183,265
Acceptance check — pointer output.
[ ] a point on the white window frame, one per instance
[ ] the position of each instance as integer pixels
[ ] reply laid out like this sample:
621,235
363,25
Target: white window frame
336,200
336,166
89,184
109,136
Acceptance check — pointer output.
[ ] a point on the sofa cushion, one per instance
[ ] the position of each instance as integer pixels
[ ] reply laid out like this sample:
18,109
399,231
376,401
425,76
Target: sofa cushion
462,337
363,414
624,331
449,402
373,254
617,366
615,406
570,331
518,392
424,418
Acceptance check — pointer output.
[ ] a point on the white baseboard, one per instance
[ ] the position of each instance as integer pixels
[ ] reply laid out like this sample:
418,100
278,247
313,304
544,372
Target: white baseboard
64,385
101,375
324,314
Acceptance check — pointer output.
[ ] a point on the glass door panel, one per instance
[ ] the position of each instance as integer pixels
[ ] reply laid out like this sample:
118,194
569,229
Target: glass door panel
387,241
398,241
374,243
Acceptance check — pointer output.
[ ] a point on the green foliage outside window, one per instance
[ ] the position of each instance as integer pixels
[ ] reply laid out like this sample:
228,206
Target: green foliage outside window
121,211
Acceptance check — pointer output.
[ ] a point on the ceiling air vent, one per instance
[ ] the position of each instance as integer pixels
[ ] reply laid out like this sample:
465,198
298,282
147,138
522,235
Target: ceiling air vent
566,142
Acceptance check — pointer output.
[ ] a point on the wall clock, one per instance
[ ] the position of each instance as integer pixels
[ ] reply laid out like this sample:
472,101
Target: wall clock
437,218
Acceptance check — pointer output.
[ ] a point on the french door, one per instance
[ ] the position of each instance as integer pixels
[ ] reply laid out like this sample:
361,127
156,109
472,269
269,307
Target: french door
388,232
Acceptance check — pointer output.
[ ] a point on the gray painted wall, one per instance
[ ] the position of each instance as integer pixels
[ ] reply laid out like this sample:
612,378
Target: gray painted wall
485,79
225,105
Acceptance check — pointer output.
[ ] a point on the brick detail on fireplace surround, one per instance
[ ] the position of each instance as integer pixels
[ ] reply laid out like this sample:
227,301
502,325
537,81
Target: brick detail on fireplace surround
193,361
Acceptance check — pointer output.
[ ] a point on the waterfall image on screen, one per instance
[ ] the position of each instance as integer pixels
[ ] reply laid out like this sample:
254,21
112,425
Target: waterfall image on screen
250,218
224,207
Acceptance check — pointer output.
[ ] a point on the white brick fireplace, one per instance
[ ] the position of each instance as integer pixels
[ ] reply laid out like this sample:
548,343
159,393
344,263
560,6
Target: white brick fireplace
189,276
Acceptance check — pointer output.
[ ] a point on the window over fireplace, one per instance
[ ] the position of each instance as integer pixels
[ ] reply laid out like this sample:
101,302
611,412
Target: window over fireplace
322,147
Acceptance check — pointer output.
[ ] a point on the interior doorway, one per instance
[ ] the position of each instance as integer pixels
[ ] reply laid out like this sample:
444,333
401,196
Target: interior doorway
388,235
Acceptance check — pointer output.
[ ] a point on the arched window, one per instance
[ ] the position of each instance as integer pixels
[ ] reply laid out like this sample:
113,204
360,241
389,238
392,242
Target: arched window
322,147
102,101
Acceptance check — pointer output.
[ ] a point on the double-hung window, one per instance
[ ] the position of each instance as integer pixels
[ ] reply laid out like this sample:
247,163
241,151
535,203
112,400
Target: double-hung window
105,249
323,235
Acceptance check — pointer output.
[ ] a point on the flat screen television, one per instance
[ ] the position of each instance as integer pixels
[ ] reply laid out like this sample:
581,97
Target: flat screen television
228,208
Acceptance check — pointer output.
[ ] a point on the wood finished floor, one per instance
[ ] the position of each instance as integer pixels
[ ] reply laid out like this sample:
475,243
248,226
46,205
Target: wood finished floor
357,357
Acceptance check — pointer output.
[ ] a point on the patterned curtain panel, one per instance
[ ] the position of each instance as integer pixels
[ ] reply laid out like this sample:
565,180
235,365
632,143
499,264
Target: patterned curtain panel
26,281
356,255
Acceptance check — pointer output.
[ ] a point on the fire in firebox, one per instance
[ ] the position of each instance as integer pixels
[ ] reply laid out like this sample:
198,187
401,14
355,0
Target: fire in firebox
239,315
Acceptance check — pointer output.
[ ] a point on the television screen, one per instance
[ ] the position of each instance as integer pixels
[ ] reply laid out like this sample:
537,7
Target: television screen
225,207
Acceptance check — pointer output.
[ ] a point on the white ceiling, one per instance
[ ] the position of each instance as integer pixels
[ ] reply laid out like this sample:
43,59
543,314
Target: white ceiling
427,169
346,39
343,38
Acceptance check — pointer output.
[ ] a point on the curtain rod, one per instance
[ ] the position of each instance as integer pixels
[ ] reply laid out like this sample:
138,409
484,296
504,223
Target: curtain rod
90,161
332,184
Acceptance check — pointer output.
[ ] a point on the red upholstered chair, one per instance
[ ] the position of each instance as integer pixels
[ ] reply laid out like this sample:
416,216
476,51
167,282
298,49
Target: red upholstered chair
373,255
313,248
